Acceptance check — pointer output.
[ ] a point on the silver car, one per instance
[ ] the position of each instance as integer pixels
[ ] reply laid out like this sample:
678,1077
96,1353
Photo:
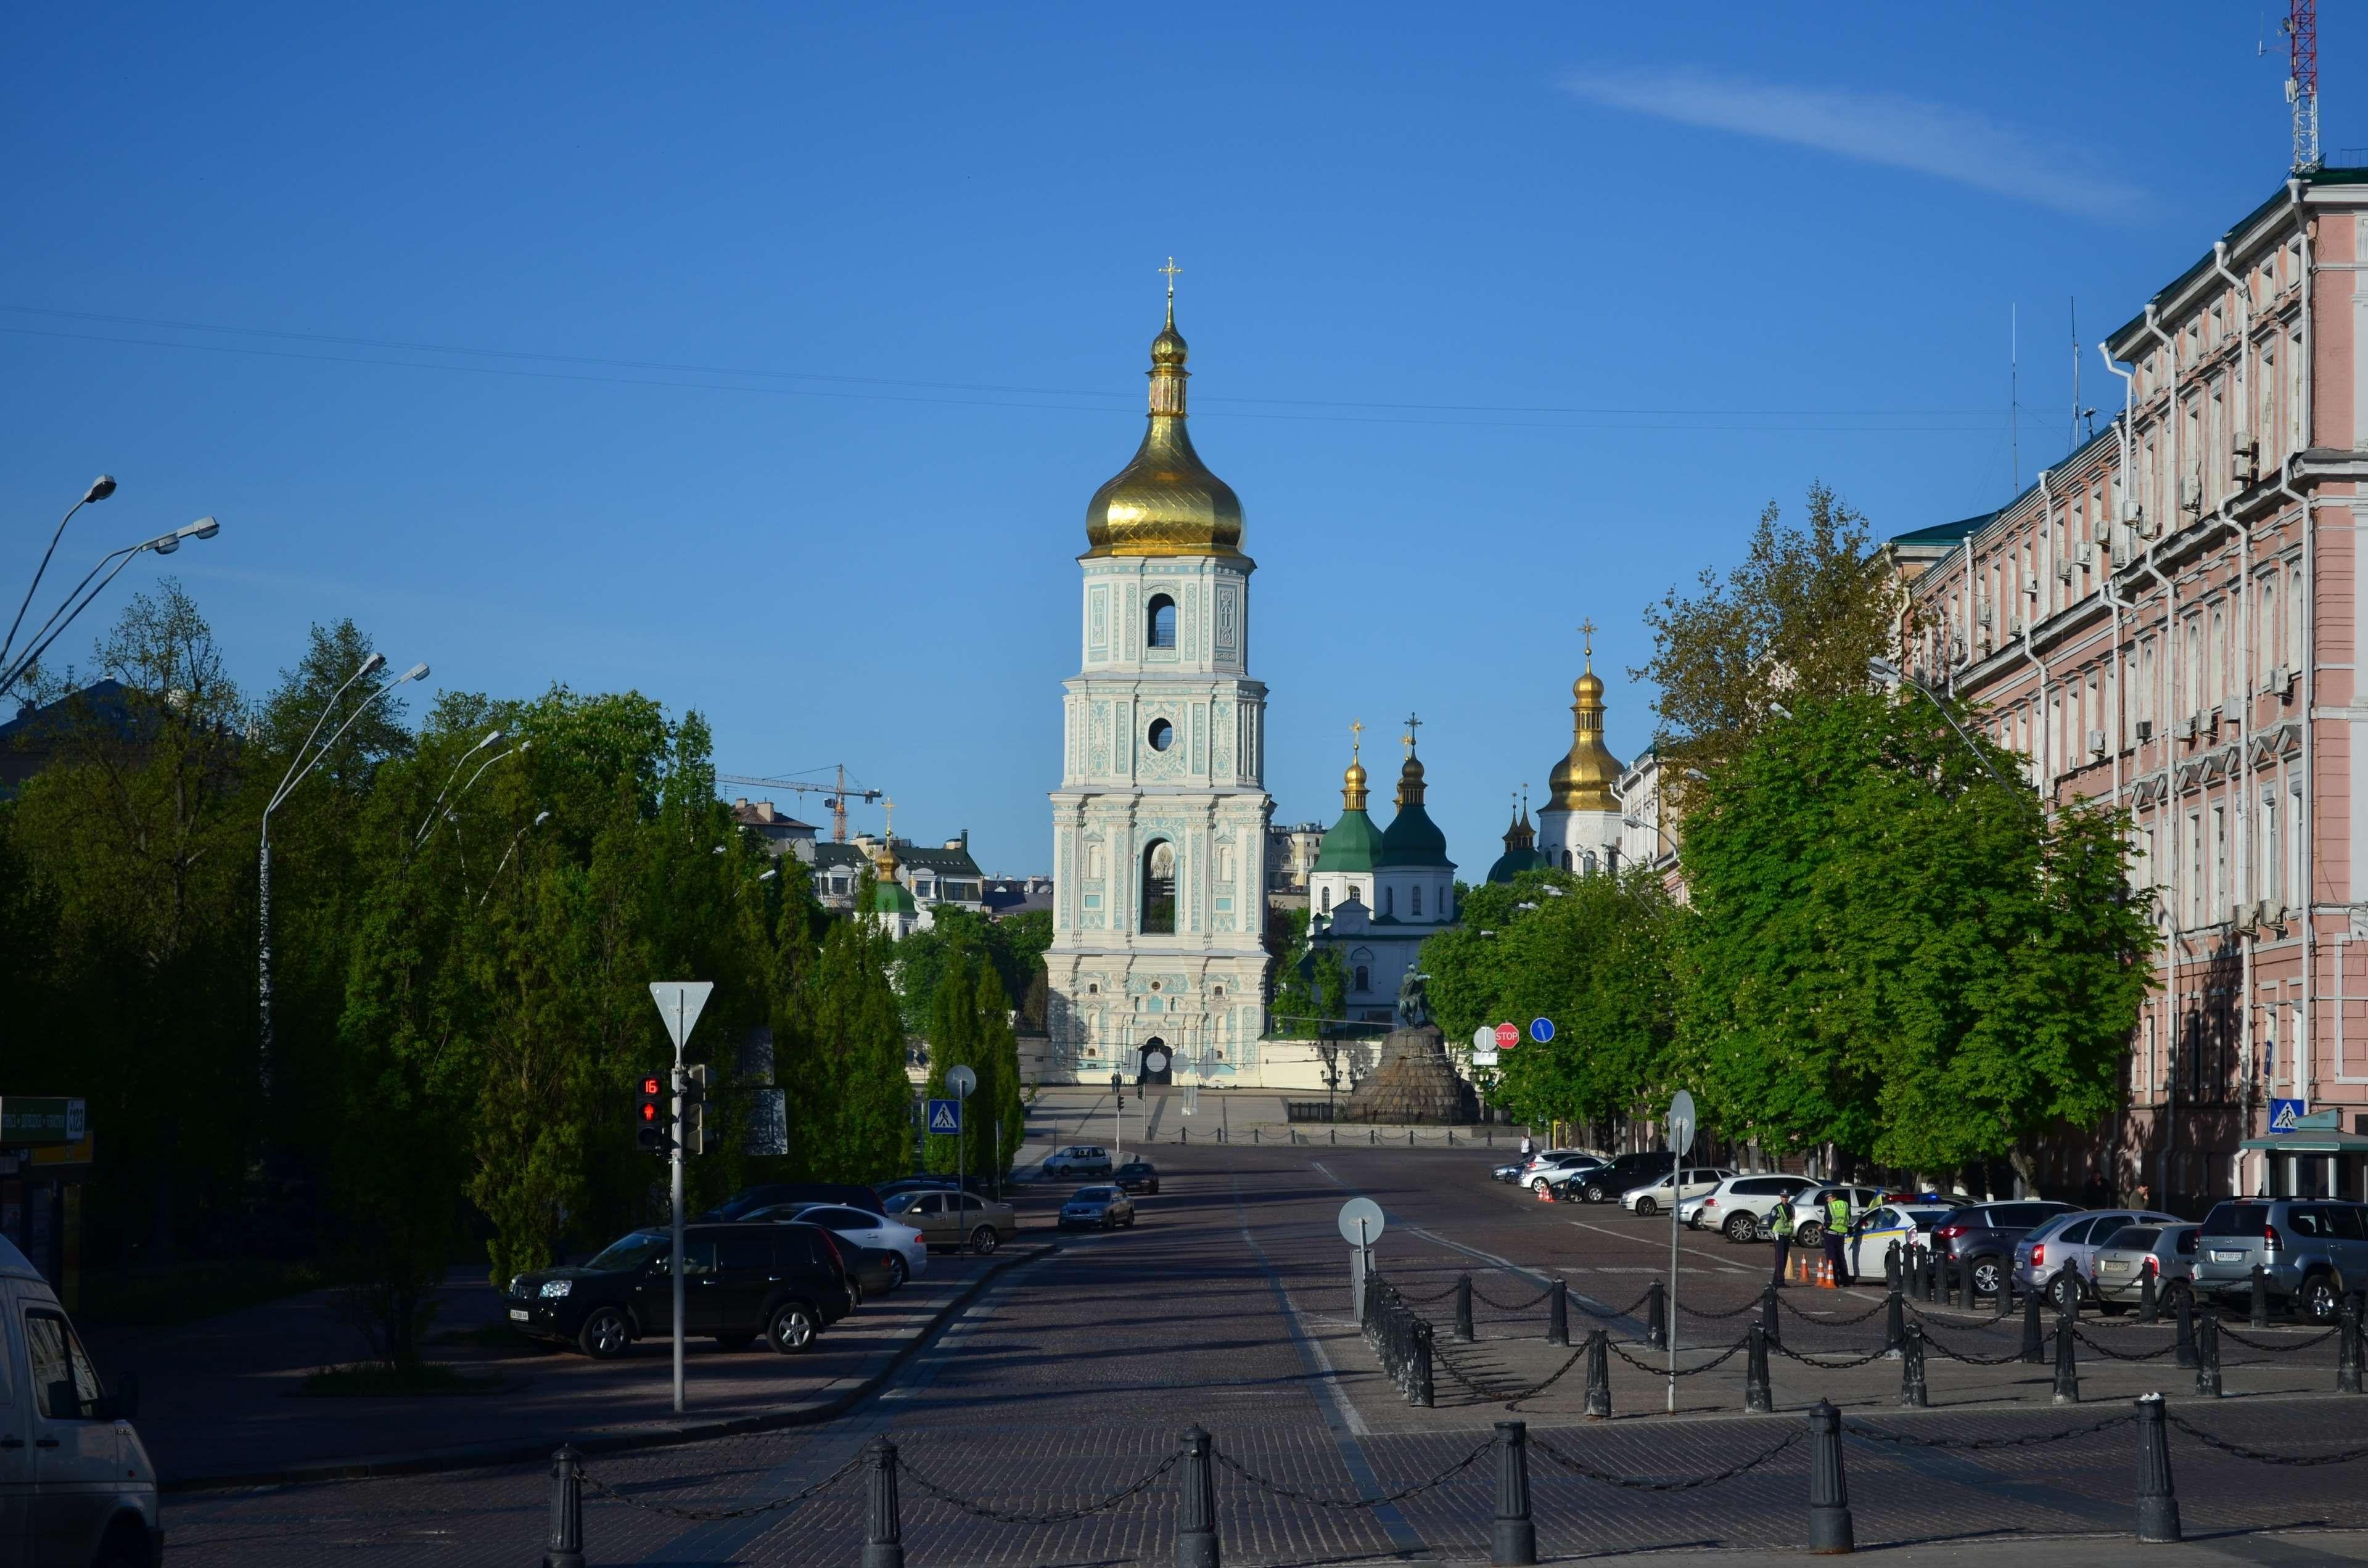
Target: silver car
2315,1249
2057,1258
2167,1252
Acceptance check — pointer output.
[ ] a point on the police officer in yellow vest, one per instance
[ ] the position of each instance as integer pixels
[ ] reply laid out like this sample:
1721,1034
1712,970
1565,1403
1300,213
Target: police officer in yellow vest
1780,1230
1837,1221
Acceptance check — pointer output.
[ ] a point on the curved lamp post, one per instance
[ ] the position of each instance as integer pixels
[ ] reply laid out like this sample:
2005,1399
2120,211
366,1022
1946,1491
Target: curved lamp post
83,592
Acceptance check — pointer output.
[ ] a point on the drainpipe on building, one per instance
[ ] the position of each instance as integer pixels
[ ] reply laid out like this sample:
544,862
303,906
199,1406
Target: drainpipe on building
2249,365
2309,1040
2177,943
2121,685
2046,760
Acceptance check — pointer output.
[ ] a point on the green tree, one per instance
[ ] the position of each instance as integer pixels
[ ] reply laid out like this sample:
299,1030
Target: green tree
849,1103
1892,951
1003,1115
954,1043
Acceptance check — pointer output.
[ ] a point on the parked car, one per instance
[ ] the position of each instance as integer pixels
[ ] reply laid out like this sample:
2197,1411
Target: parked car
1809,1208
2315,1250
864,1228
76,1486
875,1271
1738,1207
1136,1175
1558,1170
1607,1183
924,1182
1983,1234
786,1282
771,1194
2056,1256
1886,1225
1508,1172
1695,1181
1078,1159
2130,1254
953,1219
1103,1208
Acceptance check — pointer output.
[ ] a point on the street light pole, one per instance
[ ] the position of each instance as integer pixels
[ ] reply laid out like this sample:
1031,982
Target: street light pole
77,600
1883,669
100,489
298,769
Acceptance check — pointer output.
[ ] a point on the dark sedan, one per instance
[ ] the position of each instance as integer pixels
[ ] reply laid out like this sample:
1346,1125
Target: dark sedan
1103,1208
785,1282
1136,1175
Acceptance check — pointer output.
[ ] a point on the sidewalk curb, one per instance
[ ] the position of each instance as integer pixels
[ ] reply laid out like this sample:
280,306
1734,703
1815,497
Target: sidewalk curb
479,1456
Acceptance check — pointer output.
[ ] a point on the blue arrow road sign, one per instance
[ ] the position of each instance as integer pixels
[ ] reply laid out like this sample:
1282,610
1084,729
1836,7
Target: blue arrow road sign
945,1116
1541,1030
2285,1114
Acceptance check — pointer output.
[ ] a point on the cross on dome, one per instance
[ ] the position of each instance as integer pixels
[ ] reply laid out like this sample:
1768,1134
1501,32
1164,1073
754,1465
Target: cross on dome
1587,631
1413,724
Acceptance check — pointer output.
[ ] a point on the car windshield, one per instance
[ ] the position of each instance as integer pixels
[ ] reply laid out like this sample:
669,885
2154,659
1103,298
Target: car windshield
1928,1216
901,1202
2236,1220
629,1251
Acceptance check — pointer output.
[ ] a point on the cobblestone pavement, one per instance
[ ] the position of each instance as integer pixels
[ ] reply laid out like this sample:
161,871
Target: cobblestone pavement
1068,1381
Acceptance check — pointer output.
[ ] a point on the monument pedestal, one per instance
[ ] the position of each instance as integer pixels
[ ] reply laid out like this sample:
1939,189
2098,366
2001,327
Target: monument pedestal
1415,1084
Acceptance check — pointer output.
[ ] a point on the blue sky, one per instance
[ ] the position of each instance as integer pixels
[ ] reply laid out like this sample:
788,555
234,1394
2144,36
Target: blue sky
791,342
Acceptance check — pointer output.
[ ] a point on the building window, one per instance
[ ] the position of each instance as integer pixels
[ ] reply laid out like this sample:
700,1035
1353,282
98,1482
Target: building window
1327,901
2273,858
1159,889
1093,990
1389,901
2297,613
1162,734
2219,864
1415,893
1364,980
1160,615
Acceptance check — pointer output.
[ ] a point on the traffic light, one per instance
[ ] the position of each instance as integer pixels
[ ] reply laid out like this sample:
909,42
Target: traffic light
650,1114
694,1110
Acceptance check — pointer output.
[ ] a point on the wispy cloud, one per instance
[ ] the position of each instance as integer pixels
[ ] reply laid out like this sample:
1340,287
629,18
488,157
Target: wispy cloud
1876,127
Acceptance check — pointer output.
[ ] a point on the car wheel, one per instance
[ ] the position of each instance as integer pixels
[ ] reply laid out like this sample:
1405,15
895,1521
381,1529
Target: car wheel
854,1293
1593,1194
127,1547
1811,1232
1647,1207
2318,1301
1986,1274
983,1240
897,1274
793,1330
606,1334
1742,1227
730,1341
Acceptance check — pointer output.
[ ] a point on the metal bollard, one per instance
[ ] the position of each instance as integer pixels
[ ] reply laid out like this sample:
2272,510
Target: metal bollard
1372,1135
2207,1355
884,1536
1756,1398
2149,1307
2068,1371
1558,1311
1196,1513
1419,1393
1929,1271
1657,1315
1767,1324
2184,1355
1890,1266
2347,1346
1463,1309
2003,1304
2157,1504
1911,1369
1409,1136
1895,1319
1254,1134
1512,1538
1829,1515
2034,1350
2259,1316
1964,1284
1599,1373
566,1550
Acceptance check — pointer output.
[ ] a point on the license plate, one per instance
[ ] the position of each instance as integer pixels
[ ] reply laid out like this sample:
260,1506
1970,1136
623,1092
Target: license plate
519,1314
2117,1268
2219,1257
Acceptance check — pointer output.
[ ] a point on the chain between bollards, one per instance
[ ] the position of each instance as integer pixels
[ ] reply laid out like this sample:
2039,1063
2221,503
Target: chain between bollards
566,1549
2157,1504
1829,1513
883,1532
1513,1536
1196,1520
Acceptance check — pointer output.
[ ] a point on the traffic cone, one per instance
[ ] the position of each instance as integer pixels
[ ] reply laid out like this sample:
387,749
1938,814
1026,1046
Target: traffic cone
1824,1275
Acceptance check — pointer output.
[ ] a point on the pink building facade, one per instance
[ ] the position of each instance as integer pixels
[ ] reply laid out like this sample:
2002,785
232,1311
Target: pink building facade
2168,620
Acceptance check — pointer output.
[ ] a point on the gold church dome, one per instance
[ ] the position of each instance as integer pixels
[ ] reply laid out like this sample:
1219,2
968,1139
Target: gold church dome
1588,777
1352,786
1165,502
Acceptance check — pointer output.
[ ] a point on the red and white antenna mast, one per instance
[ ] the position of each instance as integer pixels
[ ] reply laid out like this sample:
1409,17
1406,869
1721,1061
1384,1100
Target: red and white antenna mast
2302,81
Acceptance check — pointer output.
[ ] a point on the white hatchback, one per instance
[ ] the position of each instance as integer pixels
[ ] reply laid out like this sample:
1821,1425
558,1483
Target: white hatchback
1697,1181
1559,1169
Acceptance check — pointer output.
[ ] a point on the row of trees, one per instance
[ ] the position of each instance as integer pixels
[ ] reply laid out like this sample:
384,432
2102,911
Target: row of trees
1882,946
464,934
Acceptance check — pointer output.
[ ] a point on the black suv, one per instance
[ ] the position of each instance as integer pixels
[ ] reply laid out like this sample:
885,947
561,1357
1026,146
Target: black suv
784,1281
1136,1175
1984,1235
1604,1184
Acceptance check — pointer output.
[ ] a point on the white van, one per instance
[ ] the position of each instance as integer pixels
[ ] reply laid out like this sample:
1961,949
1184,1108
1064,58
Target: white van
75,1485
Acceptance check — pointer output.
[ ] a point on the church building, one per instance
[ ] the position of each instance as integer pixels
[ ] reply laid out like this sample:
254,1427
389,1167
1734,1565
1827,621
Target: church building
1380,896
1579,829
1158,967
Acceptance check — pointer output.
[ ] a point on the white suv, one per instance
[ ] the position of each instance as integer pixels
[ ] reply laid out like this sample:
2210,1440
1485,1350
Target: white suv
1654,1197
1078,1160
1738,1207
1559,1169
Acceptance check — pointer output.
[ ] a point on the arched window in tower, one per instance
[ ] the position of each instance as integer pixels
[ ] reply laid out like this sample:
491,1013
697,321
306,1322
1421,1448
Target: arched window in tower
1389,901
1159,616
1159,889
1327,901
1414,893
1364,980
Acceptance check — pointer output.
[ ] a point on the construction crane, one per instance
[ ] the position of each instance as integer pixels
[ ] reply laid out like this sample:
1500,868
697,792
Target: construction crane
2302,81
835,795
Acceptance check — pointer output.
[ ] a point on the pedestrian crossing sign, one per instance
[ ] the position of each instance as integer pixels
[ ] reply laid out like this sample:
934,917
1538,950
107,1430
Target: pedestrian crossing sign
2286,1116
945,1116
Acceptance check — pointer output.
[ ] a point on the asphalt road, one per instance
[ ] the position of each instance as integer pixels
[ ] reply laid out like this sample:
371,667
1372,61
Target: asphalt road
1227,1306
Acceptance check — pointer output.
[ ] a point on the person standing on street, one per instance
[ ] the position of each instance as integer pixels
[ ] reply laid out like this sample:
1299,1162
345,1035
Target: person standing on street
1837,1219
1780,1230
1528,1148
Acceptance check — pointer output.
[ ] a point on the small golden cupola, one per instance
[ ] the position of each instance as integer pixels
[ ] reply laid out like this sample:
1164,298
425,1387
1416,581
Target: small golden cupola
1165,502
1588,778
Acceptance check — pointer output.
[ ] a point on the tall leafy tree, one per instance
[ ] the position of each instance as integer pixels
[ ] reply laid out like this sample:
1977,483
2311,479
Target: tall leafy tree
1003,1115
954,1043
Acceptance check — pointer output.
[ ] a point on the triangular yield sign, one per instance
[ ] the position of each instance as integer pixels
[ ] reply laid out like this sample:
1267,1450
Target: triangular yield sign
680,1002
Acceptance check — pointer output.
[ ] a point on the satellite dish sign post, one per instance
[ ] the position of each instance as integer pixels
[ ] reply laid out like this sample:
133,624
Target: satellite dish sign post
680,1004
1360,1225
1682,1143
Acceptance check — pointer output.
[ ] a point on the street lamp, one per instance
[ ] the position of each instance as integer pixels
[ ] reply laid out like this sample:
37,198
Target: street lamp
100,489
79,599
1655,826
298,769
1884,670
540,818
428,825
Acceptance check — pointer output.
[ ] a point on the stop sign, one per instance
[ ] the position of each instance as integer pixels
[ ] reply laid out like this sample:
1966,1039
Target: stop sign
1508,1037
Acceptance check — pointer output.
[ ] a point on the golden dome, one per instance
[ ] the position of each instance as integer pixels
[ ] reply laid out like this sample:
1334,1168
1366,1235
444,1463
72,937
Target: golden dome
1588,777
1352,787
1165,502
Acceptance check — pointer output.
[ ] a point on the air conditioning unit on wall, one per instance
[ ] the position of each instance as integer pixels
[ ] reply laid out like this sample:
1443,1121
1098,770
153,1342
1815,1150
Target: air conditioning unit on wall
2096,742
2146,730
